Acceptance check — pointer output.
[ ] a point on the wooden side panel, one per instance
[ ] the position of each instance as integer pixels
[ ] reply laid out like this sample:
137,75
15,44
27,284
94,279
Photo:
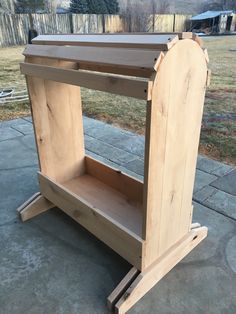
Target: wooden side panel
173,128
115,235
57,118
117,180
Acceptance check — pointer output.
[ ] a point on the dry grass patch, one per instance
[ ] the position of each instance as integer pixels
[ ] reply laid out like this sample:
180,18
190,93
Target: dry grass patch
218,136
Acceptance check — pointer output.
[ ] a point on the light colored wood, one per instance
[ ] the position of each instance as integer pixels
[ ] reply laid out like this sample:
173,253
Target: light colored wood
149,224
122,287
94,57
129,71
97,221
34,207
106,83
147,41
57,118
172,137
195,225
115,179
150,277
22,206
110,201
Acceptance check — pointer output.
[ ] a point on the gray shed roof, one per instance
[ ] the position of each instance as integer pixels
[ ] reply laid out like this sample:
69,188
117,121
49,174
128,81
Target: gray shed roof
209,15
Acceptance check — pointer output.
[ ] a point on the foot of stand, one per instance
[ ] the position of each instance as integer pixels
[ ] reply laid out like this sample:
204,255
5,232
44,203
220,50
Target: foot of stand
34,206
142,282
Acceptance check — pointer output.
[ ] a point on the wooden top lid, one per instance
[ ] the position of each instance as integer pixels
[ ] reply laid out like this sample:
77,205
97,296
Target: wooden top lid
143,41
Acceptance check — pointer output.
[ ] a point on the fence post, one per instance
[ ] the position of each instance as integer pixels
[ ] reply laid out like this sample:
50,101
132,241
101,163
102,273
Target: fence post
71,23
103,24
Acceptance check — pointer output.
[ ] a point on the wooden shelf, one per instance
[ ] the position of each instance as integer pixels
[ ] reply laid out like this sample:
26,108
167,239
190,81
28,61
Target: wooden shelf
111,202
99,200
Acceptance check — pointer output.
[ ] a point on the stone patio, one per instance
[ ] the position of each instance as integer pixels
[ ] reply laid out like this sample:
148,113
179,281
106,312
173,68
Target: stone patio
52,265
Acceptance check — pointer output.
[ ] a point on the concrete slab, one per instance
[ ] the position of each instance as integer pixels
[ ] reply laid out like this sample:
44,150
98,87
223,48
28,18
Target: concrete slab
223,203
16,186
29,119
92,123
108,151
24,128
45,270
134,145
17,153
14,122
8,133
136,166
72,272
212,166
203,282
226,183
202,179
204,193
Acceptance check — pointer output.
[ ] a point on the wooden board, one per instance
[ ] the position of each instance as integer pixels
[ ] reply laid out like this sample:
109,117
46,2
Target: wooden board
115,179
153,274
122,287
147,41
97,221
108,200
34,206
106,83
57,118
172,137
141,60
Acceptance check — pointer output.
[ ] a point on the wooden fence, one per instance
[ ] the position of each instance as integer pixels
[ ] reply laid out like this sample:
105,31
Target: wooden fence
14,27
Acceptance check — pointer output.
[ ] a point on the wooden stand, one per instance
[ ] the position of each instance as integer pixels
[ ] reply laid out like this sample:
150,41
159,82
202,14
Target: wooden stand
148,223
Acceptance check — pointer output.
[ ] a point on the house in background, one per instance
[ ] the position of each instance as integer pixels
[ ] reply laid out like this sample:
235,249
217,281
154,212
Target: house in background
213,22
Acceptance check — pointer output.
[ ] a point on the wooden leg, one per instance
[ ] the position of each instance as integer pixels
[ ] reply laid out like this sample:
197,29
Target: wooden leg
154,273
122,287
34,206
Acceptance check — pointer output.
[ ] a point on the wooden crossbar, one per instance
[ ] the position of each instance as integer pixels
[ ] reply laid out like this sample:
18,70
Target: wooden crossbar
107,83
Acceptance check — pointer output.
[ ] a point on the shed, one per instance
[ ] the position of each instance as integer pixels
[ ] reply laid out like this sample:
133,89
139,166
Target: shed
212,22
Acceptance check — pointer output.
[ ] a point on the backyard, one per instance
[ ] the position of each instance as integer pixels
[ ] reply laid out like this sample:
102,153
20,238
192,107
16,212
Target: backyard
218,136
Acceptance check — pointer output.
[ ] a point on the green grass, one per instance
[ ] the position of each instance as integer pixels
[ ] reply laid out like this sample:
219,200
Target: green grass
218,136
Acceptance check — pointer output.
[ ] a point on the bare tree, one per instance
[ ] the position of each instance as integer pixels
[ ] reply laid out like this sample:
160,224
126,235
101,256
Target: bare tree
7,6
51,5
218,5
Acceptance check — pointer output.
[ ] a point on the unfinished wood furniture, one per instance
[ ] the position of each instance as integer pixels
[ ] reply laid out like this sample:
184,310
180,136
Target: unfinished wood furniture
148,223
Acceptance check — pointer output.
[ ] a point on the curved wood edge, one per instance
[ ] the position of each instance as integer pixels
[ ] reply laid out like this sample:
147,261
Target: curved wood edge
154,273
198,40
34,206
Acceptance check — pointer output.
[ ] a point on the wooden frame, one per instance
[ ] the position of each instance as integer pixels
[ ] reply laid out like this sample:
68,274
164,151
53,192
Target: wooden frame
148,223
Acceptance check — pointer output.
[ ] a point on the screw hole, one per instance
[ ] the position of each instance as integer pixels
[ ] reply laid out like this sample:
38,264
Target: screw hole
195,237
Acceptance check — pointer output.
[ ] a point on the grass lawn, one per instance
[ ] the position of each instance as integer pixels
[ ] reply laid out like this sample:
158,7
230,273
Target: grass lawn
218,136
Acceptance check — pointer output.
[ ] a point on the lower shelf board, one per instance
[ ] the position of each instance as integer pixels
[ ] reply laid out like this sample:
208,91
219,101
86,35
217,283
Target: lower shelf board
107,199
102,210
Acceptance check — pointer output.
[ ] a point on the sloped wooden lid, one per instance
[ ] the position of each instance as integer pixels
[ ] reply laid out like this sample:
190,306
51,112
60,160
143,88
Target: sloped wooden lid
143,41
